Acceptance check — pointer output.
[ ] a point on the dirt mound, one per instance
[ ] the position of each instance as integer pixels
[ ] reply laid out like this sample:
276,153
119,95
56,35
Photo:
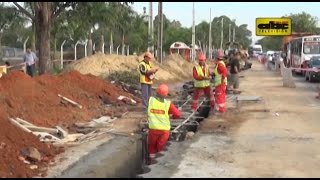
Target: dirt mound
102,65
12,142
36,100
174,67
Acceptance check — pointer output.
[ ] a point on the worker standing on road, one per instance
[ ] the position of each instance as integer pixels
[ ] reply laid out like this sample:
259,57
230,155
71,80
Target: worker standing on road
159,121
234,72
202,76
146,75
220,79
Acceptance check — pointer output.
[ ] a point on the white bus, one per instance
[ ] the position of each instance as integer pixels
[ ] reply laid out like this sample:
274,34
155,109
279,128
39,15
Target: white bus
256,50
301,49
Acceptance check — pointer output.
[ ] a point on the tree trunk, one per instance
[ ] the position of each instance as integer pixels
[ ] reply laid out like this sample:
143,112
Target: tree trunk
54,48
33,38
123,44
43,18
101,43
1,53
89,46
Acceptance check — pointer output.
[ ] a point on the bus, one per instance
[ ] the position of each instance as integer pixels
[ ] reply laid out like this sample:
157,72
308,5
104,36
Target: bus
301,49
257,50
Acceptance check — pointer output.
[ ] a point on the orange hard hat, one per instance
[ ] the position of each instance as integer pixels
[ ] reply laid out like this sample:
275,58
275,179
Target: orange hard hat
148,54
163,90
202,57
220,54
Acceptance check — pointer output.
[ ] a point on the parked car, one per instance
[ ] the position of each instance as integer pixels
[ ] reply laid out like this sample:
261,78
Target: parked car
314,74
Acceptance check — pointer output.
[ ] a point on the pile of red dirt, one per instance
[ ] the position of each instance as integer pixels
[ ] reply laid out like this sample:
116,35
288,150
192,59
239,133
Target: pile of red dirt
36,100
12,142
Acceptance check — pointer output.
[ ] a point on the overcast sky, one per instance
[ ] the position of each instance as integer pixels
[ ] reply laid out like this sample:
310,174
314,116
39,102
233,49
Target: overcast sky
242,12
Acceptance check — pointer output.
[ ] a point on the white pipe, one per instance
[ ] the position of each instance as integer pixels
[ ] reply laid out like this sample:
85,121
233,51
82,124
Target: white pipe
75,50
128,52
122,50
61,53
118,50
102,50
24,44
85,48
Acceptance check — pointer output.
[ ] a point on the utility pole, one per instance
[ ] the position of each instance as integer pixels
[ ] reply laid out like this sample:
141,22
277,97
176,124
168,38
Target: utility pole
161,34
193,35
234,34
160,24
151,31
229,32
210,51
221,34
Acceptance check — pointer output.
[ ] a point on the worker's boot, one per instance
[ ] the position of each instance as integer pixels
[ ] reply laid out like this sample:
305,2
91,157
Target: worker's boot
159,155
151,161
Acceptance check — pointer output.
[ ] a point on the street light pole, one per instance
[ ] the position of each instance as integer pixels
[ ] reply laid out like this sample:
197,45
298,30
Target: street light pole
234,34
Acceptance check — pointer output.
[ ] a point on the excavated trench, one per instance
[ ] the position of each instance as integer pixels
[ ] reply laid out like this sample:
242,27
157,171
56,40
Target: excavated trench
125,156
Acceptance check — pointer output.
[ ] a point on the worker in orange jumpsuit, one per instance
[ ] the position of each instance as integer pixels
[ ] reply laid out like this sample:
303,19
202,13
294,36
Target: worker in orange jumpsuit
202,76
159,121
220,79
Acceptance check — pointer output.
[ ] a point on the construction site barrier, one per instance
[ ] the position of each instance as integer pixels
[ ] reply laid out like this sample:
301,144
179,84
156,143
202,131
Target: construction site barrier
287,77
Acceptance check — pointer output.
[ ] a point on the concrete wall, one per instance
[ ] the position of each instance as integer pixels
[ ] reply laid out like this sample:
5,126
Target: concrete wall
118,158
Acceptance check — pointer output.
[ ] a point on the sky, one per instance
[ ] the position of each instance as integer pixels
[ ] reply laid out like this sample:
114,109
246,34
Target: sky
242,12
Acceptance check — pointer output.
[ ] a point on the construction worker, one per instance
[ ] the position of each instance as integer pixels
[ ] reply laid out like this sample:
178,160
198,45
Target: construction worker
159,121
202,76
234,72
220,79
146,75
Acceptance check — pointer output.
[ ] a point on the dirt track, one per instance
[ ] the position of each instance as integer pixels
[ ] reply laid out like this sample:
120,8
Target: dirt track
284,142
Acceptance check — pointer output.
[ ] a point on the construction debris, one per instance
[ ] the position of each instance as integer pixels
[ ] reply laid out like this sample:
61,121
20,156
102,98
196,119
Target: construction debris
31,154
70,101
249,98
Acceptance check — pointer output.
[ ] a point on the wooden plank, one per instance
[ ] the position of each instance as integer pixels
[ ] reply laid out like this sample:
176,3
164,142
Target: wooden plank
21,121
14,122
44,134
42,129
70,101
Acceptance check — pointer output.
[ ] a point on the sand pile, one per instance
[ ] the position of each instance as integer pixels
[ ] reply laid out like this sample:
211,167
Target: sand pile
102,65
36,100
174,67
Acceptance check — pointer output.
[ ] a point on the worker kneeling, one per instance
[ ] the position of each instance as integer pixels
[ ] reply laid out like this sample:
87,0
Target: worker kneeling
202,76
220,80
159,121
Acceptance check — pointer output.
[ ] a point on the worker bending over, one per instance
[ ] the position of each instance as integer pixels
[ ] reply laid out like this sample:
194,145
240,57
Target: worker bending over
202,76
159,121
146,75
220,79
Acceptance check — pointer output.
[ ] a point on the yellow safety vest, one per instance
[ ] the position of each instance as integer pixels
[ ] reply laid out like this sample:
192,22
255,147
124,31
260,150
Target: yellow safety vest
144,78
217,76
158,114
202,83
